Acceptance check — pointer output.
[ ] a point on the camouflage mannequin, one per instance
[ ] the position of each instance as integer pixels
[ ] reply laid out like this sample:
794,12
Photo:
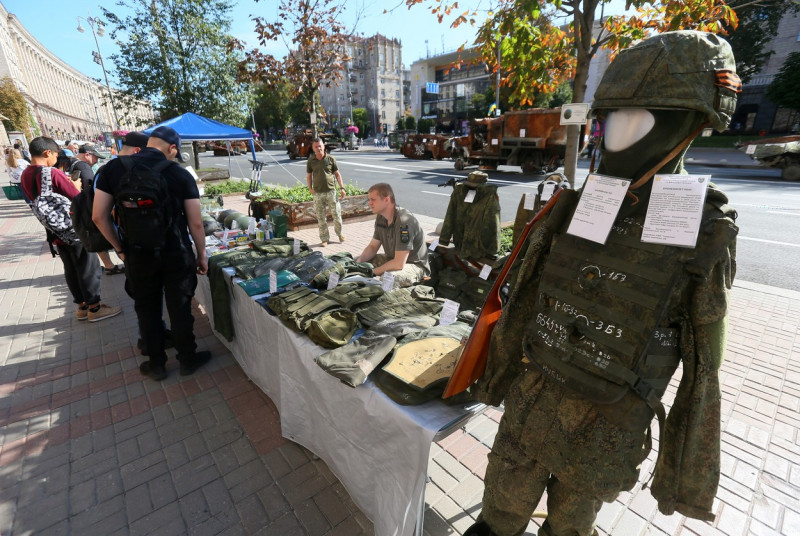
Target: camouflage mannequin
556,435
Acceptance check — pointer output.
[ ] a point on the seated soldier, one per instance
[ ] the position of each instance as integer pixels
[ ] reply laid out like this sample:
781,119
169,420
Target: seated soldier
398,231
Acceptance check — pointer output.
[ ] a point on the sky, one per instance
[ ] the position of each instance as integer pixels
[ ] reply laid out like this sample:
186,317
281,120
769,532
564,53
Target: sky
57,28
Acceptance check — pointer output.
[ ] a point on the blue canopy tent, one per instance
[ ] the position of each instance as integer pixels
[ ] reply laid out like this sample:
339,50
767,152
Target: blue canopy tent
193,127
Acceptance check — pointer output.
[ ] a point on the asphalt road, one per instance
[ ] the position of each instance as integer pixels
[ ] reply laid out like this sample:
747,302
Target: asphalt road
768,249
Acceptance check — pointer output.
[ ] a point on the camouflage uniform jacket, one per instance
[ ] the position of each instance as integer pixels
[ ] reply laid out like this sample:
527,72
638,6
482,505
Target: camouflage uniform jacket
474,227
568,434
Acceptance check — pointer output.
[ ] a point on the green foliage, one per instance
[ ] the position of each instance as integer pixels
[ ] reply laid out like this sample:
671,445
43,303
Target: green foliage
313,27
299,193
227,187
424,125
175,53
360,120
13,106
758,25
411,123
783,89
506,244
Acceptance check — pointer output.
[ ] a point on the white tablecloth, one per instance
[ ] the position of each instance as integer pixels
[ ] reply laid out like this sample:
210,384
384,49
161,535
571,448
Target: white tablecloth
378,449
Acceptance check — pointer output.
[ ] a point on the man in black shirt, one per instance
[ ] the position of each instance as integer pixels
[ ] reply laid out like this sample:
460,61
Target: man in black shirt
171,271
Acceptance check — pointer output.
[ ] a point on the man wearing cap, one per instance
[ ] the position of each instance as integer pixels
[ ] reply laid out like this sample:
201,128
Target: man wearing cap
400,234
133,142
169,273
88,153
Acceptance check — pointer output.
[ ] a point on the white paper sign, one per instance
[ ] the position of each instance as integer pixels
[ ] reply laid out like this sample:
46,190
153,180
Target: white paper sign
296,246
273,282
602,196
522,133
387,281
750,149
675,209
434,244
470,196
485,271
225,237
530,201
251,227
333,280
495,141
547,191
449,313
434,142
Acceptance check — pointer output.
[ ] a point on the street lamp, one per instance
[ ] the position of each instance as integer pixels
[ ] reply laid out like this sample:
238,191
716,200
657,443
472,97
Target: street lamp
99,29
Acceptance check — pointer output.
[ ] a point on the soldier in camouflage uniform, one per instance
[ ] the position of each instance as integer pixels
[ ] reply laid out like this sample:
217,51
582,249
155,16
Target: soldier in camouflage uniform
400,234
326,185
591,334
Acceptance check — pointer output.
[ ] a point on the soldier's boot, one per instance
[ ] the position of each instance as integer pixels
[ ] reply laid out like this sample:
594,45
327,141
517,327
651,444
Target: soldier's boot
479,529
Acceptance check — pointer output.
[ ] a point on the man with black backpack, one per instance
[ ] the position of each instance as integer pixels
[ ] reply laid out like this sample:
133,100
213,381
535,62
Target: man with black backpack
51,192
154,200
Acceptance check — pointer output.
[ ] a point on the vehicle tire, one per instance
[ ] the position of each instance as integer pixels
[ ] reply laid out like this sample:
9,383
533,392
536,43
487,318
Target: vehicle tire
530,167
459,165
292,156
791,173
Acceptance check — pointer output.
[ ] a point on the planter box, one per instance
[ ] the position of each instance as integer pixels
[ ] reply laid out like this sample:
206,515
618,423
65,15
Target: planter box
303,215
212,175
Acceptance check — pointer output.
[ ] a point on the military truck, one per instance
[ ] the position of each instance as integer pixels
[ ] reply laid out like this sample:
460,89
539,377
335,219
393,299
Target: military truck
299,145
532,139
782,153
426,147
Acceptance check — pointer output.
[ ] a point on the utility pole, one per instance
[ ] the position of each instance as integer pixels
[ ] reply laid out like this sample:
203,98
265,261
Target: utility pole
98,28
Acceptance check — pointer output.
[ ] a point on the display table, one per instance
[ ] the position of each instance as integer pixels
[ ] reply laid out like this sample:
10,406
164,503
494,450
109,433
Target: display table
378,449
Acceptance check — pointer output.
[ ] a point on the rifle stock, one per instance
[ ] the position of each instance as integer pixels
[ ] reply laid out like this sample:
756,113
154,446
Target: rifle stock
472,361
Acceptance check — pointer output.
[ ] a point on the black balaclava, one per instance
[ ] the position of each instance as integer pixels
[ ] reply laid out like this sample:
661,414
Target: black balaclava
670,129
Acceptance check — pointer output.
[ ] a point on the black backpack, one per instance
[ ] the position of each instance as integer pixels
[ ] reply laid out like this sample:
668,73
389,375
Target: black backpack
81,211
145,210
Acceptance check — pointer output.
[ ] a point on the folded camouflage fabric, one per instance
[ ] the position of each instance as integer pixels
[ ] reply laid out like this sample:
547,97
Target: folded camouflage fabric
333,328
353,362
418,300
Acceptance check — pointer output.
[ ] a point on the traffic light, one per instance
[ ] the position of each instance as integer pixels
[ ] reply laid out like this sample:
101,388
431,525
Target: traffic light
96,56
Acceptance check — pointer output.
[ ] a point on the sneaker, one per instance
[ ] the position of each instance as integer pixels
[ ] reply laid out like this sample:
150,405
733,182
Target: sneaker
103,311
199,359
153,371
341,238
81,313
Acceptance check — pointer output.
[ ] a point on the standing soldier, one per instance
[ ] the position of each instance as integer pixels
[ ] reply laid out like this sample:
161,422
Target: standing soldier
324,182
593,330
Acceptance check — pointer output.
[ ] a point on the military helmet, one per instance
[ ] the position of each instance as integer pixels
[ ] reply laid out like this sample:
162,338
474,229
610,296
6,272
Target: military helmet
685,69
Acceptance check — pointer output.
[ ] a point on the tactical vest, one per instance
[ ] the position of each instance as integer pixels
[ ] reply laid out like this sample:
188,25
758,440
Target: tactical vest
299,306
597,323
352,295
402,303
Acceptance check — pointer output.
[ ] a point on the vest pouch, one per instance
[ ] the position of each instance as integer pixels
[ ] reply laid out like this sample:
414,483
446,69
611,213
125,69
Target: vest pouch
332,329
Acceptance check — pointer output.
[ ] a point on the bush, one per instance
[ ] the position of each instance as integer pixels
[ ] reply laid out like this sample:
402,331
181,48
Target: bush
227,187
299,193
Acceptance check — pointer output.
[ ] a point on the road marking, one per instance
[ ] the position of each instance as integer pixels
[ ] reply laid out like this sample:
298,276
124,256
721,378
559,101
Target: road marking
781,212
434,193
770,241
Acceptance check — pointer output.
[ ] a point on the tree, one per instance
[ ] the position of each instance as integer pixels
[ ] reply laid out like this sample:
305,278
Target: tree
411,123
14,106
758,24
360,120
538,55
783,89
313,26
425,125
174,53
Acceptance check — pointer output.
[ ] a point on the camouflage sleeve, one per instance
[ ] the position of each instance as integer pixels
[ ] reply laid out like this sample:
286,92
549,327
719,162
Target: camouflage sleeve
687,474
447,226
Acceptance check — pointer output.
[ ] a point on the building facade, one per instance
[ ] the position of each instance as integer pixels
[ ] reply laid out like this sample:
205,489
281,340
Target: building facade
457,76
754,111
372,79
63,103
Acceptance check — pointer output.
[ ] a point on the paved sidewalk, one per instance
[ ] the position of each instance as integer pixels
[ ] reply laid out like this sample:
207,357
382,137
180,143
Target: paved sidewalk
87,446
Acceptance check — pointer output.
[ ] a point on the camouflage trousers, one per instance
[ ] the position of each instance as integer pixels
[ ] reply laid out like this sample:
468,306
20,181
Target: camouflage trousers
411,274
322,202
515,484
